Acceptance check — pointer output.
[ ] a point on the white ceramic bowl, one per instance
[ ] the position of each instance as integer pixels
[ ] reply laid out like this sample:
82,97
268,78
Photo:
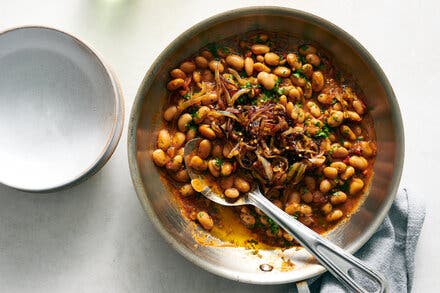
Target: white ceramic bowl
61,110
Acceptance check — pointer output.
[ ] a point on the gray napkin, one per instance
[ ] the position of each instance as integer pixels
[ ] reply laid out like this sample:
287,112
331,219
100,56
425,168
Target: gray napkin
392,248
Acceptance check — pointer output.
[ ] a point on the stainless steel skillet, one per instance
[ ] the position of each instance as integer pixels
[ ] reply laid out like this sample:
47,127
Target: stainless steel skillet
164,210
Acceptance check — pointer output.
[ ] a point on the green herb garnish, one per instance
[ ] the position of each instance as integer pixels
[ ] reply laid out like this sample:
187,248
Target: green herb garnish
191,125
274,228
345,186
270,95
320,66
324,132
302,59
248,85
193,110
214,48
304,47
297,74
257,39
218,162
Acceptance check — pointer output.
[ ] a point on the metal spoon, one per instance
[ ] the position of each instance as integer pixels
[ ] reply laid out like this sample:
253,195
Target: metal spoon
337,261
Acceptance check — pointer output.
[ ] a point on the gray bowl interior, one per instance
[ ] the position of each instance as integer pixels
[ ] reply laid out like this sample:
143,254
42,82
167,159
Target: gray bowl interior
237,263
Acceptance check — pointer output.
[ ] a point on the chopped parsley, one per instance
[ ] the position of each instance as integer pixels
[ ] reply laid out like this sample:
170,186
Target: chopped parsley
270,95
214,48
332,149
277,89
273,94
295,215
257,39
245,100
304,47
274,228
258,223
318,175
224,49
299,74
248,85
345,186
218,162
324,132
266,97
193,111
302,59
187,96
318,123
191,125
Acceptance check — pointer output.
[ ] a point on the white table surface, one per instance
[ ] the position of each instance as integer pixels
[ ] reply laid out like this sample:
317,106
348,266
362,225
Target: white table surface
96,238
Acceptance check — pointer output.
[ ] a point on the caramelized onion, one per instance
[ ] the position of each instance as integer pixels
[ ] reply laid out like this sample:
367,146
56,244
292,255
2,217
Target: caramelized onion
238,94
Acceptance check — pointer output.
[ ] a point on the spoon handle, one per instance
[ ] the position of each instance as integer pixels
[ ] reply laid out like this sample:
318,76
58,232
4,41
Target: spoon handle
338,262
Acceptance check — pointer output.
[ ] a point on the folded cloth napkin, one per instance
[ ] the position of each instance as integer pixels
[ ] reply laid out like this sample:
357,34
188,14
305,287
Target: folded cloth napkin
391,249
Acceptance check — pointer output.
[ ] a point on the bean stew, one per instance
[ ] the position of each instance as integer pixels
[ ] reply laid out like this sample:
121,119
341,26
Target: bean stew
272,110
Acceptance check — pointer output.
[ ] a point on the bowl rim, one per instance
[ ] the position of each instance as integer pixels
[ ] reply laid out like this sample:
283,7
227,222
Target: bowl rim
118,114
233,14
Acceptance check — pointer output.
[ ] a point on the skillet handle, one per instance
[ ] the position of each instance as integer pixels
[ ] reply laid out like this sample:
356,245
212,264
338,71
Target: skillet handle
342,265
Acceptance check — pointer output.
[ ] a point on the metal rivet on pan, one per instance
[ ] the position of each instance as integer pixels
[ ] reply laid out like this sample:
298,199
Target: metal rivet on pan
266,267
